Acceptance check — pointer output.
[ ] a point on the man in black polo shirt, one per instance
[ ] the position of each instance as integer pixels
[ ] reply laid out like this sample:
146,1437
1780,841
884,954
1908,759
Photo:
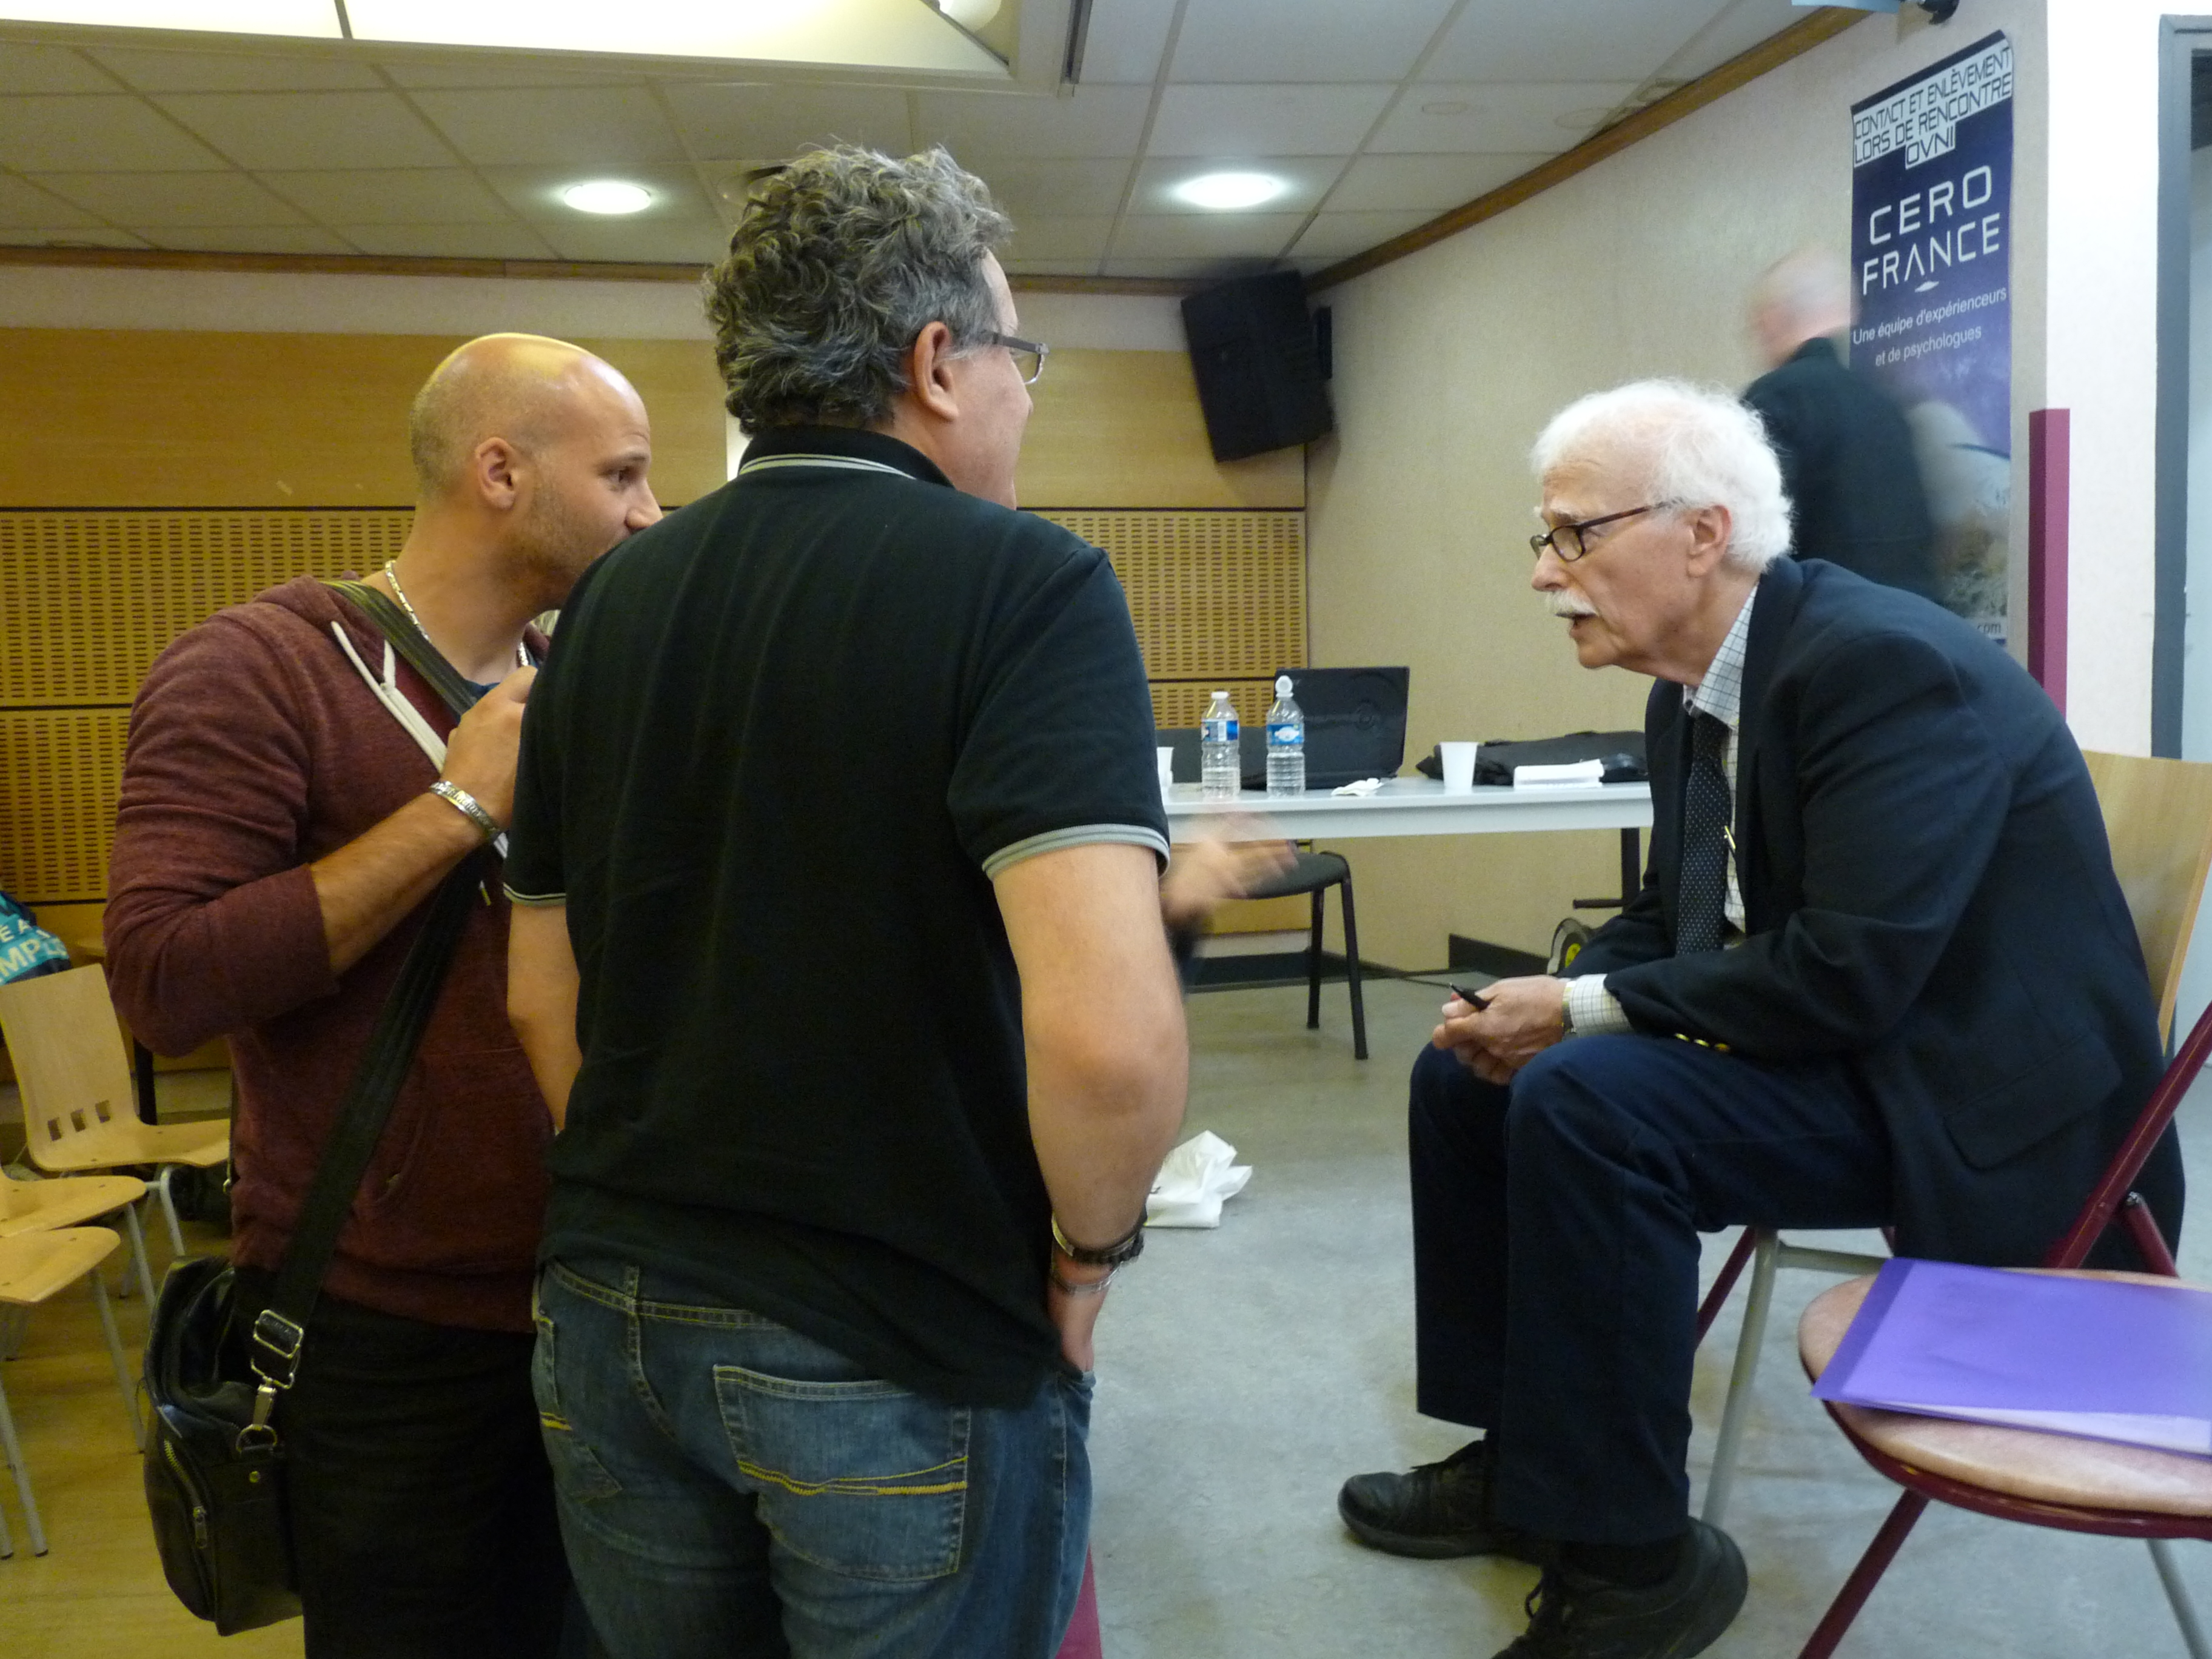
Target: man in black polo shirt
837,841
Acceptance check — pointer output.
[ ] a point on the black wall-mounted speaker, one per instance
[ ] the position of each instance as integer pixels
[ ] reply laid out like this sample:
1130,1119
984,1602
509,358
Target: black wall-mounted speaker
1260,376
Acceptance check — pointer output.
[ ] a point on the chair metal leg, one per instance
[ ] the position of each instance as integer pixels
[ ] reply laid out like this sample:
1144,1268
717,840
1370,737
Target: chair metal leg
14,1449
1312,966
169,1209
115,1356
1352,969
1737,1408
1731,1270
1860,1585
139,1256
2177,1594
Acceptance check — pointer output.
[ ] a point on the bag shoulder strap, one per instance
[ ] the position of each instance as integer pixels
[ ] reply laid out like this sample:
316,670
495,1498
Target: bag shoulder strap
396,626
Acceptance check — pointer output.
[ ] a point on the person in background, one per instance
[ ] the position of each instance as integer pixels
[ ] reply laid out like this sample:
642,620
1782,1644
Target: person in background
1849,465
278,841
1875,859
839,953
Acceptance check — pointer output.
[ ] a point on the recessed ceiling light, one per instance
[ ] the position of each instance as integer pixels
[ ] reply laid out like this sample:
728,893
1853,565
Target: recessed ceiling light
970,14
1227,191
610,196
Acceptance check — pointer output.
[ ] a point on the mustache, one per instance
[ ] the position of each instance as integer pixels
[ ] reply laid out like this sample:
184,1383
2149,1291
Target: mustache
1569,605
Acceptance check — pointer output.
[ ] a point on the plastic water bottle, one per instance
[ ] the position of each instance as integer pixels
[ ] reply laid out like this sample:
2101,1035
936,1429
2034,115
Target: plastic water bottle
1221,765
1286,743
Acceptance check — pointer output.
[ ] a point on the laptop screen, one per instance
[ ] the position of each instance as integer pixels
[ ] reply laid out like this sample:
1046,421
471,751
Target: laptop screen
1355,725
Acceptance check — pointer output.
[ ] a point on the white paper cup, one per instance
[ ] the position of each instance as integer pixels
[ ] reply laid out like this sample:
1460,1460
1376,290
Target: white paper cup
1165,758
1459,765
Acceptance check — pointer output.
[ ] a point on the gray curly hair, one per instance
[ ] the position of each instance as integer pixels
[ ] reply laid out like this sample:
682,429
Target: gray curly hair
837,263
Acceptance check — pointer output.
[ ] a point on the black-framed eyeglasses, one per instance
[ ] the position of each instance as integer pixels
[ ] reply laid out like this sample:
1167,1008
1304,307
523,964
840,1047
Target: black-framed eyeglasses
1568,541
1028,355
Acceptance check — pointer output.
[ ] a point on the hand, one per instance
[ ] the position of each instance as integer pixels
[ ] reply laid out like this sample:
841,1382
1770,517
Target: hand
1076,1316
1525,1017
1205,874
480,755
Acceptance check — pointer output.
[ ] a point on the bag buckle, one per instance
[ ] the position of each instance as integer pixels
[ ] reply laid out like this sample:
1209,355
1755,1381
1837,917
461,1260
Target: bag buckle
276,1335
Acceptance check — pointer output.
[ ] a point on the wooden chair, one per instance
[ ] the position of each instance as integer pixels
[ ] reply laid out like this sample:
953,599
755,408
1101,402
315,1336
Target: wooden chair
33,1266
36,1206
2158,818
78,1105
2019,1475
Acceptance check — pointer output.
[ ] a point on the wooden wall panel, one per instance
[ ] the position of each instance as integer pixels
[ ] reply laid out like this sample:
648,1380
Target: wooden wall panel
1122,428
151,418
59,773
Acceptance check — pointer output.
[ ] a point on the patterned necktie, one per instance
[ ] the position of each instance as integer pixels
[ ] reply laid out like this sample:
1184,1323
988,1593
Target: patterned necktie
1702,905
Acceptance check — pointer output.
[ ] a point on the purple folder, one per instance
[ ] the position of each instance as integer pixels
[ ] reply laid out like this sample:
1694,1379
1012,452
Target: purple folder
2093,1357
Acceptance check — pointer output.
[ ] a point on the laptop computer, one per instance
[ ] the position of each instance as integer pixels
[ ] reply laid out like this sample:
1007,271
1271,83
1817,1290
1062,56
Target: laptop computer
1355,725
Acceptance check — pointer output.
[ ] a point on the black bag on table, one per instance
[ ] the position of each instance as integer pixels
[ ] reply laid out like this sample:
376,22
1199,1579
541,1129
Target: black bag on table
1621,751
215,1463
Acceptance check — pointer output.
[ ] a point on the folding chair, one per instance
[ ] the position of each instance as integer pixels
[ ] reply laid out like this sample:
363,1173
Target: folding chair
2158,818
33,1266
38,1207
2022,1475
79,1110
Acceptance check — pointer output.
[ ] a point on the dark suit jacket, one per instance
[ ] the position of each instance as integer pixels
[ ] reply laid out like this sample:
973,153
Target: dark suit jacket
1928,898
1856,498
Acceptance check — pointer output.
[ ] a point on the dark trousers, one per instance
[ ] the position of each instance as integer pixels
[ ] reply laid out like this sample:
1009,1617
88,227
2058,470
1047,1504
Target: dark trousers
421,1504
1555,1253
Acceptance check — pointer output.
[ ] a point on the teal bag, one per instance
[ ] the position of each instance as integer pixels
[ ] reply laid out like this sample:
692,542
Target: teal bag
26,948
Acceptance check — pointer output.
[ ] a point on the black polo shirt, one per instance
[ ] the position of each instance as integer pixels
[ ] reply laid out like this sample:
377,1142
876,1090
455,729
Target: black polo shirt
785,738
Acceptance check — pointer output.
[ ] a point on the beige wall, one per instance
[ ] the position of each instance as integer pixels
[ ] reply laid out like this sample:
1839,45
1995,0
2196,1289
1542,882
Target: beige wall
1449,362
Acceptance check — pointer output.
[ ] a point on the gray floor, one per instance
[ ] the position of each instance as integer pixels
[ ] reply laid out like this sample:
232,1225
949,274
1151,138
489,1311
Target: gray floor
1244,1372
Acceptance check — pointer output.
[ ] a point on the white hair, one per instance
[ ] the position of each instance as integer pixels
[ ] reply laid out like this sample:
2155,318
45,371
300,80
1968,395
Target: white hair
1688,446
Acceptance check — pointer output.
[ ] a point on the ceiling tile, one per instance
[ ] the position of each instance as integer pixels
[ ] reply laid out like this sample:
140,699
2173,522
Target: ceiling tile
461,68
764,123
1092,121
209,71
666,241
24,203
1125,41
33,236
1056,187
1197,271
48,69
1252,121
1390,183
120,134
413,196
1047,240
1458,118
1738,29
1568,40
256,239
592,126
1188,236
535,193
1340,235
504,241
1304,39
310,129
165,199
1308,177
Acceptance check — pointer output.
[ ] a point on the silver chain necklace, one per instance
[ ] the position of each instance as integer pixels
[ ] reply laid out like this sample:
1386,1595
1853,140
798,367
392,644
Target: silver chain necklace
391,575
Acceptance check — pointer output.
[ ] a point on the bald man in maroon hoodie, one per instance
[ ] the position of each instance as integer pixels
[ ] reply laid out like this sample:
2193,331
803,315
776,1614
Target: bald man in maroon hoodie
276,841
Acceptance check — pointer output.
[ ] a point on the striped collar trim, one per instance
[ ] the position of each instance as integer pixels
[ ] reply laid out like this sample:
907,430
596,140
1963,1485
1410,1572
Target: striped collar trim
846,463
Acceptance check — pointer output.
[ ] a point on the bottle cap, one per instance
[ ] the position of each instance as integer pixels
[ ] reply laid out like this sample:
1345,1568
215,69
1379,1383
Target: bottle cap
1282,685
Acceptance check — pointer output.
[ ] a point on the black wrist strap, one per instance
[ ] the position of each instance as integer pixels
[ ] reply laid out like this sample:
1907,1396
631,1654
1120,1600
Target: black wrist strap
280,1326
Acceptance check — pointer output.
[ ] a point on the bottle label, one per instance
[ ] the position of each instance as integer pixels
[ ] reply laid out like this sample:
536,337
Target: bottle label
1288,734
1218,731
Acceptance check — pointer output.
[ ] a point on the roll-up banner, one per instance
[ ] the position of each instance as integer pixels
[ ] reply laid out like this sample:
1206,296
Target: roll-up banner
1931,219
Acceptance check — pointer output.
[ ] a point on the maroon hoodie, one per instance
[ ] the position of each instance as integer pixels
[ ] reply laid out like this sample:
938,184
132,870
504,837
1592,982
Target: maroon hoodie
255,749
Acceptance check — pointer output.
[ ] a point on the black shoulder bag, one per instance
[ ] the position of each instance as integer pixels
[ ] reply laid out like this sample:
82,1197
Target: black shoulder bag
215,1463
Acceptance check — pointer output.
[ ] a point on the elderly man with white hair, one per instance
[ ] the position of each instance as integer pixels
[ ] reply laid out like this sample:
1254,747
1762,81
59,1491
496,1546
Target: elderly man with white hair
1880,909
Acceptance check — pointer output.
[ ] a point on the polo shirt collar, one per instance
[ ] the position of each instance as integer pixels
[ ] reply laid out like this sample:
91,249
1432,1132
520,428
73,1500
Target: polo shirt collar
836,448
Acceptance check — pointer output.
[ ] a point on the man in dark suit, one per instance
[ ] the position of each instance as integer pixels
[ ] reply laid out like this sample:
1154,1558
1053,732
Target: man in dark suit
1880,908
1848,463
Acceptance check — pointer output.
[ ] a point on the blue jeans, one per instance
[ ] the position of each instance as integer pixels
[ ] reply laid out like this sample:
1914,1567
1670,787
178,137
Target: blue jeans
728,1487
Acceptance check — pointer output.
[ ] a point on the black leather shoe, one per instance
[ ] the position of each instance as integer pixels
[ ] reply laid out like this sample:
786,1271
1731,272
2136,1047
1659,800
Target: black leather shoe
1573,1615
1434,1509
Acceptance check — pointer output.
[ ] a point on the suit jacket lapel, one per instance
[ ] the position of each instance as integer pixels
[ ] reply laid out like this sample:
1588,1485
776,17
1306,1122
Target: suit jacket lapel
1780,589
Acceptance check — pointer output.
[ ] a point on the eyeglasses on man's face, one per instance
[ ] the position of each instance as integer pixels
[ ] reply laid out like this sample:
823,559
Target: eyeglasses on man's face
1570,540
1028,355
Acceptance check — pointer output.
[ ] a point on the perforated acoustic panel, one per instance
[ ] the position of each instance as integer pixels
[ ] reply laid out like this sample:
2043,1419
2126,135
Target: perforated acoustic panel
92,598
59,770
